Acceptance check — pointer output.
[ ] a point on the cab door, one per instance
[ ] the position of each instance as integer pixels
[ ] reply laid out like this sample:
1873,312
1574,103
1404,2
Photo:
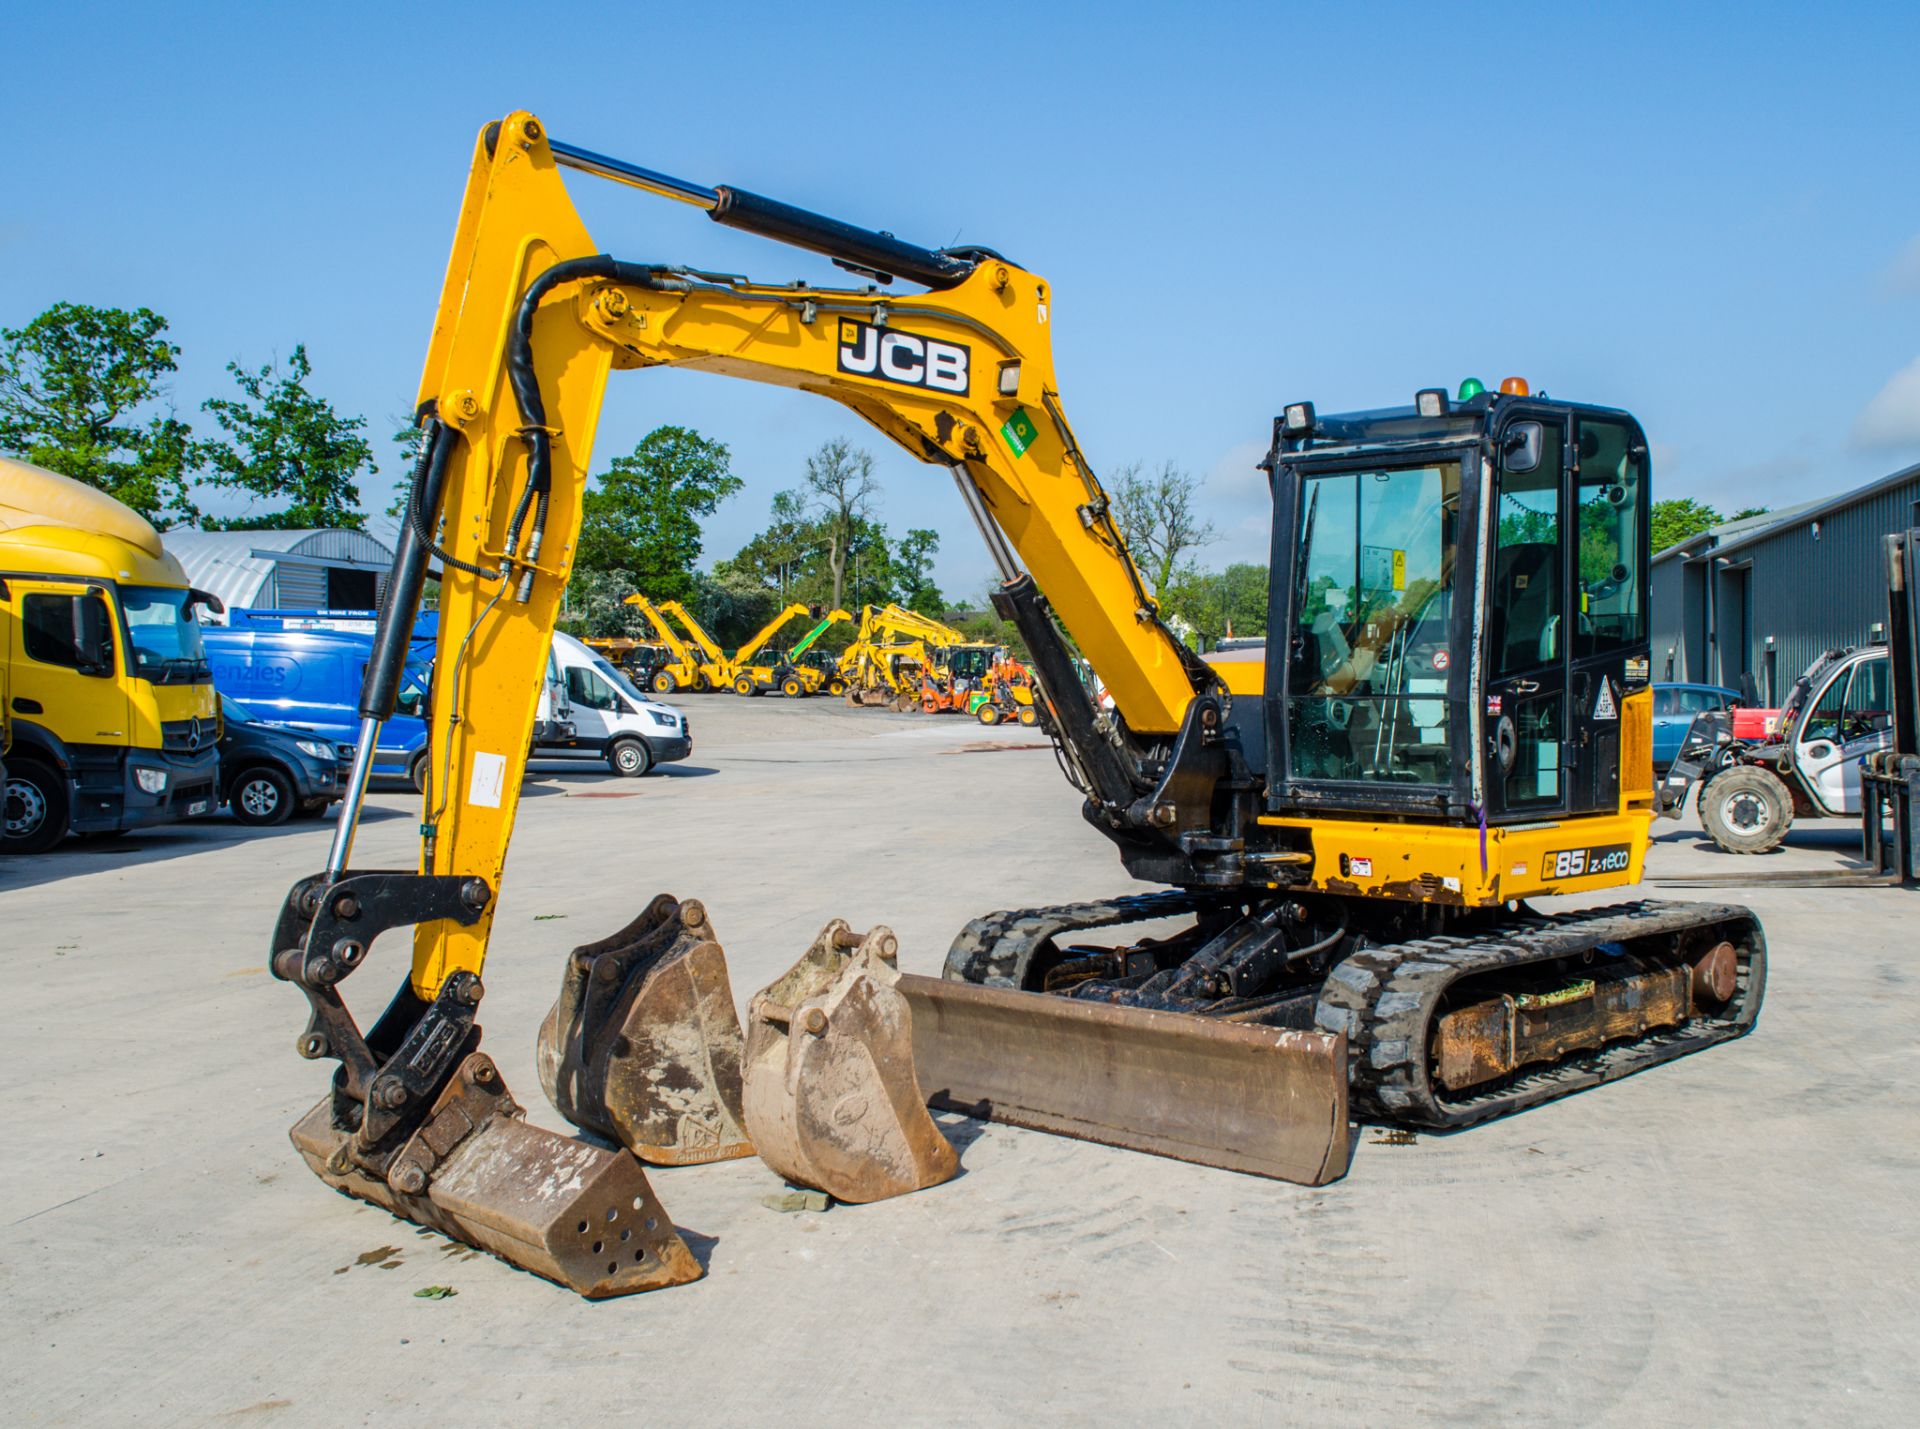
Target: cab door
595,705
67,662
1851,718
1526,656
1607,538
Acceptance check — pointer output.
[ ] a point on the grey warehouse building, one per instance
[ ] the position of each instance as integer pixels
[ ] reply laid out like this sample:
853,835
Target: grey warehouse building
1769,594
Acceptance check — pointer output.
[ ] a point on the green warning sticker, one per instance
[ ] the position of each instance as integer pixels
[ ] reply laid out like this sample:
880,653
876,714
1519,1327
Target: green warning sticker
1019,432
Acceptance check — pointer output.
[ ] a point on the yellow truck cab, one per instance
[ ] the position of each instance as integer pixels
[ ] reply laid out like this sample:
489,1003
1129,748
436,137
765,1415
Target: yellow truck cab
113,716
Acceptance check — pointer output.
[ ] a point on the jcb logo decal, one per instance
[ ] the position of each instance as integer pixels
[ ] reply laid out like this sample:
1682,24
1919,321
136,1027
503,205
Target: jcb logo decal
869,351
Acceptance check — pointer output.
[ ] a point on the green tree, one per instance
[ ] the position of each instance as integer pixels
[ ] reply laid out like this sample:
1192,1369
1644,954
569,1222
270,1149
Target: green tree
912,562
731,604
642,516
840,478
283,443
1680,519
790,554
1219,603
1156,515
73,382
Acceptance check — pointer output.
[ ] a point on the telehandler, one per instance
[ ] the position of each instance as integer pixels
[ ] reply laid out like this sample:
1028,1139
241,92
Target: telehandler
1453,717
684,668
715,665
754,675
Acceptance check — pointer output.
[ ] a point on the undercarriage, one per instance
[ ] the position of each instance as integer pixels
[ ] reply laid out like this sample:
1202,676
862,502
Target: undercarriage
1450,1016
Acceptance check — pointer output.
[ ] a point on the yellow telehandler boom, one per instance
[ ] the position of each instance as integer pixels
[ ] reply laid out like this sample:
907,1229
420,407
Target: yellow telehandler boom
684,671
716,666
752,675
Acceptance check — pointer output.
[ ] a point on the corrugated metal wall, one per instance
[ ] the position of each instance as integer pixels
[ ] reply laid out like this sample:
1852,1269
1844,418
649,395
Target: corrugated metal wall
1812,595
1667,616
299,586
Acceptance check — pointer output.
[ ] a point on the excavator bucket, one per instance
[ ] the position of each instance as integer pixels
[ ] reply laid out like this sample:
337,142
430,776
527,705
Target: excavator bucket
580,1215
643,1044
1247,1098
831,1097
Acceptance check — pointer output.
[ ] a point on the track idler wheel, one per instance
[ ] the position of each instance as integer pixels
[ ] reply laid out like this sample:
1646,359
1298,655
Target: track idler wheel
643,1044
832,1100
580,1215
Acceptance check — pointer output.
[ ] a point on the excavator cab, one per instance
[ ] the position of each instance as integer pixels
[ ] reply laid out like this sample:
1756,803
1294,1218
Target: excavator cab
1464,586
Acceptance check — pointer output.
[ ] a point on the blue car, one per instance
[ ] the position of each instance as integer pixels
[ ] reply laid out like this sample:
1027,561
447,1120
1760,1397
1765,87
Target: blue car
309,680
1674,707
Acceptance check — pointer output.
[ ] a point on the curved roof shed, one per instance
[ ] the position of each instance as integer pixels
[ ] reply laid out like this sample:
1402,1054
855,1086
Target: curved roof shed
293,570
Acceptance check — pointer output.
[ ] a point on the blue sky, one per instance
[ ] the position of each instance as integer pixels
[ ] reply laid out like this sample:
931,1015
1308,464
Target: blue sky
1706,214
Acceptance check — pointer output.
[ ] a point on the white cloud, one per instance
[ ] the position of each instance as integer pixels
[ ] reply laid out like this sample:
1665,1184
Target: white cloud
1892,418
1901,278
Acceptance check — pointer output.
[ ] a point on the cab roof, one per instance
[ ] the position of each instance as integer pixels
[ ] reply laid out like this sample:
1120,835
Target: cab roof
53,524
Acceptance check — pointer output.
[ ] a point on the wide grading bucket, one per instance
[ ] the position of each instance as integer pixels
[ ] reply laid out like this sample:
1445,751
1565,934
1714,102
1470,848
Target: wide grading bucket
1246,1098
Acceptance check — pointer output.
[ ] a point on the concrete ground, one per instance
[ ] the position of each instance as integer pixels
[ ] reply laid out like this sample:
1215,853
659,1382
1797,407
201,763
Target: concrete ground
1729,1239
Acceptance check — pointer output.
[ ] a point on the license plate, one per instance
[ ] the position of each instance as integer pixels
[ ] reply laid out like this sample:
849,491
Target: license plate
198,806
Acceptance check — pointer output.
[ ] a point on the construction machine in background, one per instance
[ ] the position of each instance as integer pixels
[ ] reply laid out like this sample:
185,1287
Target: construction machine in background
891,654
756,668
715,665
1004,693
1453,717
683,669
812,668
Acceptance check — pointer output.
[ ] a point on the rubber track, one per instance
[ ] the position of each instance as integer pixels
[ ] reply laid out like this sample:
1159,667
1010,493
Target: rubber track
1384,999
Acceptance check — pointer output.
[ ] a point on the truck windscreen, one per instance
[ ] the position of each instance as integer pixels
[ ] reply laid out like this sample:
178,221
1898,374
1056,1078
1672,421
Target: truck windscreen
165,637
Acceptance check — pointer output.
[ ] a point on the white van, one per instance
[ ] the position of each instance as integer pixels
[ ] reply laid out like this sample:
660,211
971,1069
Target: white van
605,715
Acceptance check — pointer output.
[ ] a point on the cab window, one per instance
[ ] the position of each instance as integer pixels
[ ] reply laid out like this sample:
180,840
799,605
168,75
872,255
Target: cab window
1370,653
1868,709
1526,564
1612,499
586,688
74,631
1824,722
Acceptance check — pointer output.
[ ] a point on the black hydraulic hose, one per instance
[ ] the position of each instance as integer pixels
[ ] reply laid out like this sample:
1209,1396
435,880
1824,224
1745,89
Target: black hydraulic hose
534,430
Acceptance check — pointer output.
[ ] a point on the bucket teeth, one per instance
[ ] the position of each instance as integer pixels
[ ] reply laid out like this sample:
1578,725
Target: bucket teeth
832,1100
643,1044
580,1215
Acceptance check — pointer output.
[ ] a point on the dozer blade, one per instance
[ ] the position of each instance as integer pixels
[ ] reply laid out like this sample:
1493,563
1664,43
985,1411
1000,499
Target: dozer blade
580,1215
1247,1098
831,1098
643,1044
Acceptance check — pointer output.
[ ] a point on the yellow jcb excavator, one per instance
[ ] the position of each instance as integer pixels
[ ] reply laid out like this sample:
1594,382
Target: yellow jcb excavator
891,653
1453,716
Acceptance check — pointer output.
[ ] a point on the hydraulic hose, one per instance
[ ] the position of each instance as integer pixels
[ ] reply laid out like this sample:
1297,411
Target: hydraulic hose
534,430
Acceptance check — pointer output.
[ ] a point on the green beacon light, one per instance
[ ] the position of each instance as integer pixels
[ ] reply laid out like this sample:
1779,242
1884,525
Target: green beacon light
1471,388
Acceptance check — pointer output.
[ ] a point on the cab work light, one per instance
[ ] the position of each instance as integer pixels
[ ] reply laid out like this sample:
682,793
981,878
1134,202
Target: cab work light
1431,401
1298,419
